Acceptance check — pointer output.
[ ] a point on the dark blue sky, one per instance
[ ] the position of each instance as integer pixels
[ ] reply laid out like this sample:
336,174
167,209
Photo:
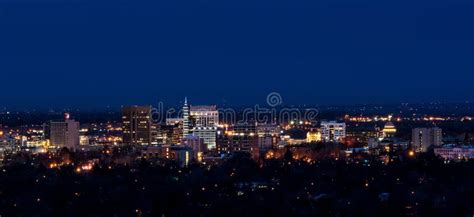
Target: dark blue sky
92,53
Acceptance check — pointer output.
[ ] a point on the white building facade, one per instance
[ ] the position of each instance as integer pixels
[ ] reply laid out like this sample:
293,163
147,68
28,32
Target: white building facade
333,131
204,121
423,138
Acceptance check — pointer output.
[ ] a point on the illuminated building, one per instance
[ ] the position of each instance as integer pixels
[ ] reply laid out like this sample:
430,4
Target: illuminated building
362,132
313,136
170,134
83,140
455,153
177,135
389,130
137,127
333,131
197,145
185,118
182,155
242,138
174,121
166,134
268,135
64,134
154,134
423,138
204,121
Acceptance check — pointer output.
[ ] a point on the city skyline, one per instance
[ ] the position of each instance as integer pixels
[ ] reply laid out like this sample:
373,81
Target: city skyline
245,108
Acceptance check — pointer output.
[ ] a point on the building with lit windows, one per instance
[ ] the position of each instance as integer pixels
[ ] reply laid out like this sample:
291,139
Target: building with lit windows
174,121
181,154
332,131
137,126
423,138
268,135
241,138
389,130
204,121
197,145
455,153
186,120
64,134
313,136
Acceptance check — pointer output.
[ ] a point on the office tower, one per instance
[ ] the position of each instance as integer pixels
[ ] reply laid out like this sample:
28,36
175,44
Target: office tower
423,138
64,134
333,131
137,126
185,118
204,122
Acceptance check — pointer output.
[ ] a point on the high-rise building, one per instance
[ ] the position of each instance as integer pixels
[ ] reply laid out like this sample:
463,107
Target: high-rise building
185,118
423,138
64,134
137,126
333,131
204,124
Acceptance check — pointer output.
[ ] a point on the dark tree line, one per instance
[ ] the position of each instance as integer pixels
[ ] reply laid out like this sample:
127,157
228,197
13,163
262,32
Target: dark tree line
242,187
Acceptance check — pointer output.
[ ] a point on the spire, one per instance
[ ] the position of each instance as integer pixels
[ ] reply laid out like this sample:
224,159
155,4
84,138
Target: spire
185,101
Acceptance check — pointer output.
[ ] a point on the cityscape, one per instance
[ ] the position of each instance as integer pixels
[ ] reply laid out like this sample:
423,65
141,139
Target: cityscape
141,160
236,108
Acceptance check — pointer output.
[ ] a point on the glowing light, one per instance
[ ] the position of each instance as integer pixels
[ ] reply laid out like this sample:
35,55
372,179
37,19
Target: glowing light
53,165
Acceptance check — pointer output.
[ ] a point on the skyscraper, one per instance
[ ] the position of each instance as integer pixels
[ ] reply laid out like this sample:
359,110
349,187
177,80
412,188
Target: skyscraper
422,138
205,120
64,134
185,118
137,126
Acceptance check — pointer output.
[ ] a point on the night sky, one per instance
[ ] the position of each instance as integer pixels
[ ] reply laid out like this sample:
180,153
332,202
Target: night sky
94,53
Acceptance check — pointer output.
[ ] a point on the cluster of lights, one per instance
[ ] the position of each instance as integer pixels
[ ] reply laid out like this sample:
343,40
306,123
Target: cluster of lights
231,133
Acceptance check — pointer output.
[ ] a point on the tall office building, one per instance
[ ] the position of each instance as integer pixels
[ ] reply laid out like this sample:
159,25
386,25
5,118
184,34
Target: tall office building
204,121
137,126
64,134
423,138
333,131
185,118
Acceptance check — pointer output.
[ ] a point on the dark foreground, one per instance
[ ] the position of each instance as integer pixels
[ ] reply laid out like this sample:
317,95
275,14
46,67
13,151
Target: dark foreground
241,187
